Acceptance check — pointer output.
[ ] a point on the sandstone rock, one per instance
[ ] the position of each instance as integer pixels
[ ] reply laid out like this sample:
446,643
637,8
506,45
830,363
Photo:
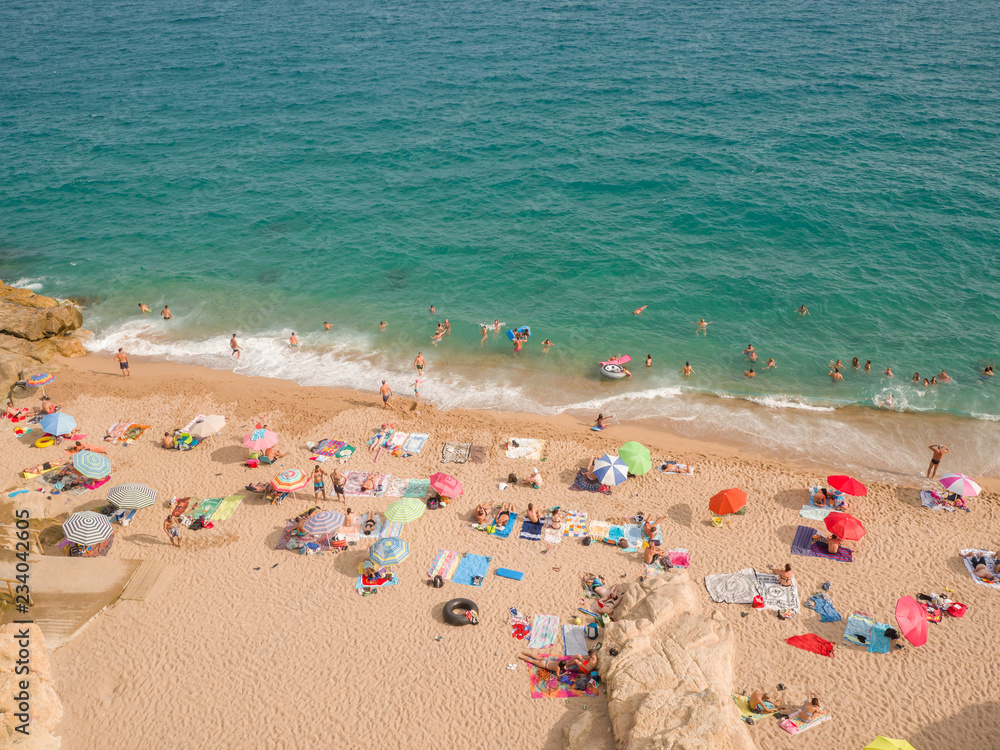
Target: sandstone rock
46,708
25,297
12,365
669,685
38,323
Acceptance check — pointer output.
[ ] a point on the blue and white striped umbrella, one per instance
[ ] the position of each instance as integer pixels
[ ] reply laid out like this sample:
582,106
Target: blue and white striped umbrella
92,465
324,523
87,527
58,423
610,470
389,551
132,496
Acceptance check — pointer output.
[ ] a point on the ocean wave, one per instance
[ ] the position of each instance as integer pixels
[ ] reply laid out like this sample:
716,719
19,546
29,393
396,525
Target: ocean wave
785,402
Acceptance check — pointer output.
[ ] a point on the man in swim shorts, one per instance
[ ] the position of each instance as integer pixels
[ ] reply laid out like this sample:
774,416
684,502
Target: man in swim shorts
122,359
338,484
293,340
319,486
386,393
165,313
172,527
327,326
760,703
418,363
235,347
937,453
750,373
803,311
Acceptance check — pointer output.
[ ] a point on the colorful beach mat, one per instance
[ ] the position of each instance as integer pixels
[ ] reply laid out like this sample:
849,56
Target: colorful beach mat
455,453
544,684
804,545
797,726
417,488
390,530
575,524
582,484
445,564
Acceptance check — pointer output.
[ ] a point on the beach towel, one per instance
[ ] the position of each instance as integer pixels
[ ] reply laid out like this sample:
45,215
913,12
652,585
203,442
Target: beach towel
397,487
455,453
796,725
286,535
545,684
373,535
931,499
824,608
351,534
575,524
743,704
775,595
583,484
415,442
417,488
733,588
990,563
387,530
531,531
329,448
505,531
114,432
358,585
804,545
208,507
479,454
813,513
180,506
445,564
544,631
811,642
838,497
857,625
599,530
672,467
652,570
679,558
397,440
525,448
633,535
354,479
472,570
574,640
880,644
552,536
803,540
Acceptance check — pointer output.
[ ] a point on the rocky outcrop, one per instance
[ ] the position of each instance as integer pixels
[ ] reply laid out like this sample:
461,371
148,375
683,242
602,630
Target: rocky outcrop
44,707
669,684
34,329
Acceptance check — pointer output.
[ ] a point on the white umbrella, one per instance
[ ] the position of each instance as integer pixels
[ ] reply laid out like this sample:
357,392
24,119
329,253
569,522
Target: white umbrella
208,427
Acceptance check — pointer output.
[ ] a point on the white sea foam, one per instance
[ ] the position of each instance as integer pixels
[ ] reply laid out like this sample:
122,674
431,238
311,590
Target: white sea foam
787,402
34,284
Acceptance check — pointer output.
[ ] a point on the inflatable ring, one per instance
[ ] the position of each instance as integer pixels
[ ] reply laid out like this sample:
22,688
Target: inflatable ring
609,370
45,442
458,617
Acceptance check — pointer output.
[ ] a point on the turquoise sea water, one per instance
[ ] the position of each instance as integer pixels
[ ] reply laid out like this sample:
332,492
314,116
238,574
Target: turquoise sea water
265,166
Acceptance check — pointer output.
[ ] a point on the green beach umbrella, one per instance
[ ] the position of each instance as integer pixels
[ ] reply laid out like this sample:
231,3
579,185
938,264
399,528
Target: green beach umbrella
406,510
636,458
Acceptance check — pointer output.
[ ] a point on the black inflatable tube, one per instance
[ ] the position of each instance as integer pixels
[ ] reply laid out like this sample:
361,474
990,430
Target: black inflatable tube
459,618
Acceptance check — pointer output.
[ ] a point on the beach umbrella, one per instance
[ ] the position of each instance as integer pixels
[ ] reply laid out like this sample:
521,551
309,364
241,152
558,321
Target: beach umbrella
446,485
87,527
844,525
58,423
324,523
36,381
912,619
132,496
727,502
290,480
208,427
389,551
260,439
960,485
91,465
885,743
404,511
636,457
610,470
847,484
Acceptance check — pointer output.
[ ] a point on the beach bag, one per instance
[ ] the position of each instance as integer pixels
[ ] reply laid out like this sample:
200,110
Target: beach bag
512,478
438,581
587,541
957,609
433,503
758,602
253,463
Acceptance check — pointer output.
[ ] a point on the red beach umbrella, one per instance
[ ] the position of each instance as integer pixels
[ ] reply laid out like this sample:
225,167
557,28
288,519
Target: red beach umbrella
446,484
912,620
847,484
845,526
727,502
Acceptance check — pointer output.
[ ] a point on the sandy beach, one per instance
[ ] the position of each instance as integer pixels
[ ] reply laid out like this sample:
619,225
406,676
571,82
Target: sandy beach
243,645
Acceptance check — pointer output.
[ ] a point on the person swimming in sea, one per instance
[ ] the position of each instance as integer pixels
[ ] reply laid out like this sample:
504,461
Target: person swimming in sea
687,370
703,327
638,311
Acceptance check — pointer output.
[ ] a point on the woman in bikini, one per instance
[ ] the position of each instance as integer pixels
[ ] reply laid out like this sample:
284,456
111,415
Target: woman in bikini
784,575
555,665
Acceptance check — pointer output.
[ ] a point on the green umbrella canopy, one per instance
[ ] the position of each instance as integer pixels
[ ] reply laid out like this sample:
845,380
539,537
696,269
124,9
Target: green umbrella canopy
636,457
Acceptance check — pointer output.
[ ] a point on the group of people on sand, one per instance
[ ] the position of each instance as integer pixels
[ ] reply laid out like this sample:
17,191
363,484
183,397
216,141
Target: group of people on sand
762,703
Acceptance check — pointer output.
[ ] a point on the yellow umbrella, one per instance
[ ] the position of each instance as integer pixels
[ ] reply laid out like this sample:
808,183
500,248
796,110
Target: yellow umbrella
884,743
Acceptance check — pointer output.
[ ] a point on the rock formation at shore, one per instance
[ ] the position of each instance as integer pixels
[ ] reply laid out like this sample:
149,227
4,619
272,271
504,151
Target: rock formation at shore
669,685
33,329
45,707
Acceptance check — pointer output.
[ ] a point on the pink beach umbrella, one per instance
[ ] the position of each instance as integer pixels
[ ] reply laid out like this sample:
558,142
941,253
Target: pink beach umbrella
446,484
960,485
260,439
912,619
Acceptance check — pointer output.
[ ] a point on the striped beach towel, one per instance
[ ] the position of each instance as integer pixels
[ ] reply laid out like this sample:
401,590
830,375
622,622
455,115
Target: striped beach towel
544,631
329,448
531,531
445,564
390,529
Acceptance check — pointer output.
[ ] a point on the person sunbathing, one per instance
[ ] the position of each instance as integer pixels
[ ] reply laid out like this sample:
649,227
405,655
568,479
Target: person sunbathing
832,542
649,527
589,473
827,498
555,665
482,514
810,710
784,575
258,487
368,484
605,595
273,454
761,703
42,468
300,521
557,520
979,567
653,552
50,407
368,527
503,517
532,514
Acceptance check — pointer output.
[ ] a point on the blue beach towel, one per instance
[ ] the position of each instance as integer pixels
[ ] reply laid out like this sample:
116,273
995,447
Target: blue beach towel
531,531
880,644
633,534
505,531
803,540
824,608
472,566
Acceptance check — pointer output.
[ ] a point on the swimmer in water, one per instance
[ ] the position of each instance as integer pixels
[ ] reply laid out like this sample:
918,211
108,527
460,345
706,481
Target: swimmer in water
382,324
770,363
837,365
888,372
293,340
649,360
749,351
803,311
988,371
546,345
165,313
485,334
638,311
687,370
143,309
750,373
926,382
433,310
326,325
868,365
916,378
835,375
703,327
855,364
888,402
944,377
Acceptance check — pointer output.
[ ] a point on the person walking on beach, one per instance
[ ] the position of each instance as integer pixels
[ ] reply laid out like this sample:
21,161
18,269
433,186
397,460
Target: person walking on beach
937,453
418,364
703,327
172,528
122,359
319,486
386,393
165,313
687,370
235,347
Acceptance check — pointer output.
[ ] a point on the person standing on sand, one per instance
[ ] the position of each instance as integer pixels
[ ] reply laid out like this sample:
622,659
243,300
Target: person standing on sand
338,484
386,393
143,308
319,486
235,347
937,453
172,527
687,370
418,364
122,359
703,327
165,313
638,311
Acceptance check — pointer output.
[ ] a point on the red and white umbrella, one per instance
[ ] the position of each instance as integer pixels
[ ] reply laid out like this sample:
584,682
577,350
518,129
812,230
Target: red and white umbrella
960,485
